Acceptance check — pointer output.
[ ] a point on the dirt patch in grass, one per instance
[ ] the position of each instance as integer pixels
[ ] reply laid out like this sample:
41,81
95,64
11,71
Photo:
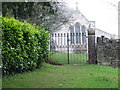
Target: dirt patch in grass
52,62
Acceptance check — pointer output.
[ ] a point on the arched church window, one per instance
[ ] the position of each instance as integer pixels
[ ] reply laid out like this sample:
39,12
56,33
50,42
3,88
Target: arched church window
71,34
83,34
77,33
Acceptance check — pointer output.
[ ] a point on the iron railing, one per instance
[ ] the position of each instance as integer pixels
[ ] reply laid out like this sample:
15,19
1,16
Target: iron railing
71,44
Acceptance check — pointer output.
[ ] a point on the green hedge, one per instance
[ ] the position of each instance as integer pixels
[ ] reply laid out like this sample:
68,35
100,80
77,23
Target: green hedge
25,46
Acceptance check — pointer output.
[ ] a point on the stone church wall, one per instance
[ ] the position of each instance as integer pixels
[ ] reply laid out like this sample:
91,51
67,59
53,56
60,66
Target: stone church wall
107,51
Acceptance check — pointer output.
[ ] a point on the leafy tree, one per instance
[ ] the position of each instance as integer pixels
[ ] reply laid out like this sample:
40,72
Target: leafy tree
48,14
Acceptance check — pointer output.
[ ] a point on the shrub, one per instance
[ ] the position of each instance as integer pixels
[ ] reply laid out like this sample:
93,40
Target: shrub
25,46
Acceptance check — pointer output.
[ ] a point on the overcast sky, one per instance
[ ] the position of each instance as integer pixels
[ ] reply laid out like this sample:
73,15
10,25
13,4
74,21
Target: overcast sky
104,12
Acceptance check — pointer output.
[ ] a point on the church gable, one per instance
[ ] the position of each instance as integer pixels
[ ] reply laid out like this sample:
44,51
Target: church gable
74,33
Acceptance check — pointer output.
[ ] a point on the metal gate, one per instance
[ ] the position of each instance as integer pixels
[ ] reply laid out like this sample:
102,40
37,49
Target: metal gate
68,48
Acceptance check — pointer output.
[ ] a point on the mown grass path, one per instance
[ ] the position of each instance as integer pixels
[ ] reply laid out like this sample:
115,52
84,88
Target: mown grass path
66,76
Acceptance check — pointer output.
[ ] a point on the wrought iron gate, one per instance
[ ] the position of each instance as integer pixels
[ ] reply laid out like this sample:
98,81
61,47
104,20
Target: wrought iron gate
68,48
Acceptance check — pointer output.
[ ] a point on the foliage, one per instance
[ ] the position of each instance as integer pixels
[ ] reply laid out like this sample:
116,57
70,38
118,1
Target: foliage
49,13
26,10
24,46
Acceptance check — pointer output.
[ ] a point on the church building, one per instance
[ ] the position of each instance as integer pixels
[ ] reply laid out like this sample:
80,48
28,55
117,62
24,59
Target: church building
74,35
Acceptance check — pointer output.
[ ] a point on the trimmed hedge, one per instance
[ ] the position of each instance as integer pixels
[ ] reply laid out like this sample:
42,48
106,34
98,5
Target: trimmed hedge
25,46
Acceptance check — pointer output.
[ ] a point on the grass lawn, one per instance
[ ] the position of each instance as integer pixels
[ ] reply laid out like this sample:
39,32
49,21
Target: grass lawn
74,58
0,83
66,76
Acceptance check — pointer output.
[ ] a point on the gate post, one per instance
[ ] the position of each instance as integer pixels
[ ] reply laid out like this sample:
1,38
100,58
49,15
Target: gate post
91,46
68,46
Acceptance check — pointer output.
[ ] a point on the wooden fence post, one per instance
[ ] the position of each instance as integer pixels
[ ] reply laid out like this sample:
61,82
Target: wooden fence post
91,46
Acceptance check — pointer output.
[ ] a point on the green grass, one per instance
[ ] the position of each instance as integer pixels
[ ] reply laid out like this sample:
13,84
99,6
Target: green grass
74,58
0,83
66,76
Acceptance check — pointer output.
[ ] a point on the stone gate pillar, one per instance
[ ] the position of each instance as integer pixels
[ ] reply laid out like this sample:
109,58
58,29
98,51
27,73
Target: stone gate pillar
91,46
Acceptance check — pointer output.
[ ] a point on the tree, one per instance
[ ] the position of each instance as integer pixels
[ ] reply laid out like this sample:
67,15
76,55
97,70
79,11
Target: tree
48,14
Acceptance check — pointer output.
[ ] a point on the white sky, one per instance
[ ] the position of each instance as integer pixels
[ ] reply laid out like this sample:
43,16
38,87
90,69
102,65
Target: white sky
103,12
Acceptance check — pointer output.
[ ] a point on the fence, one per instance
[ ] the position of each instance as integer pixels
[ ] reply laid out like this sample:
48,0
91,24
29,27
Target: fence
77,48
108,51
71,46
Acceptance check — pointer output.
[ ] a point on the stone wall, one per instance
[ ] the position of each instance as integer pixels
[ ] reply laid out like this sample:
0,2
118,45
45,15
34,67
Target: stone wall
107,51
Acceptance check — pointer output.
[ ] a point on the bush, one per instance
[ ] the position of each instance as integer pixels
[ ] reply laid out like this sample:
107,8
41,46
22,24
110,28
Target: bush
25,46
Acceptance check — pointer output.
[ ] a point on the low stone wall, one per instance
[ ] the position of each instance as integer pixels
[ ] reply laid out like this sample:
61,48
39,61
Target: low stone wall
108,51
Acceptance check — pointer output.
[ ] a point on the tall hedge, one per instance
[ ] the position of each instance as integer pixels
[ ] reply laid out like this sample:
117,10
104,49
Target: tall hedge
25,46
